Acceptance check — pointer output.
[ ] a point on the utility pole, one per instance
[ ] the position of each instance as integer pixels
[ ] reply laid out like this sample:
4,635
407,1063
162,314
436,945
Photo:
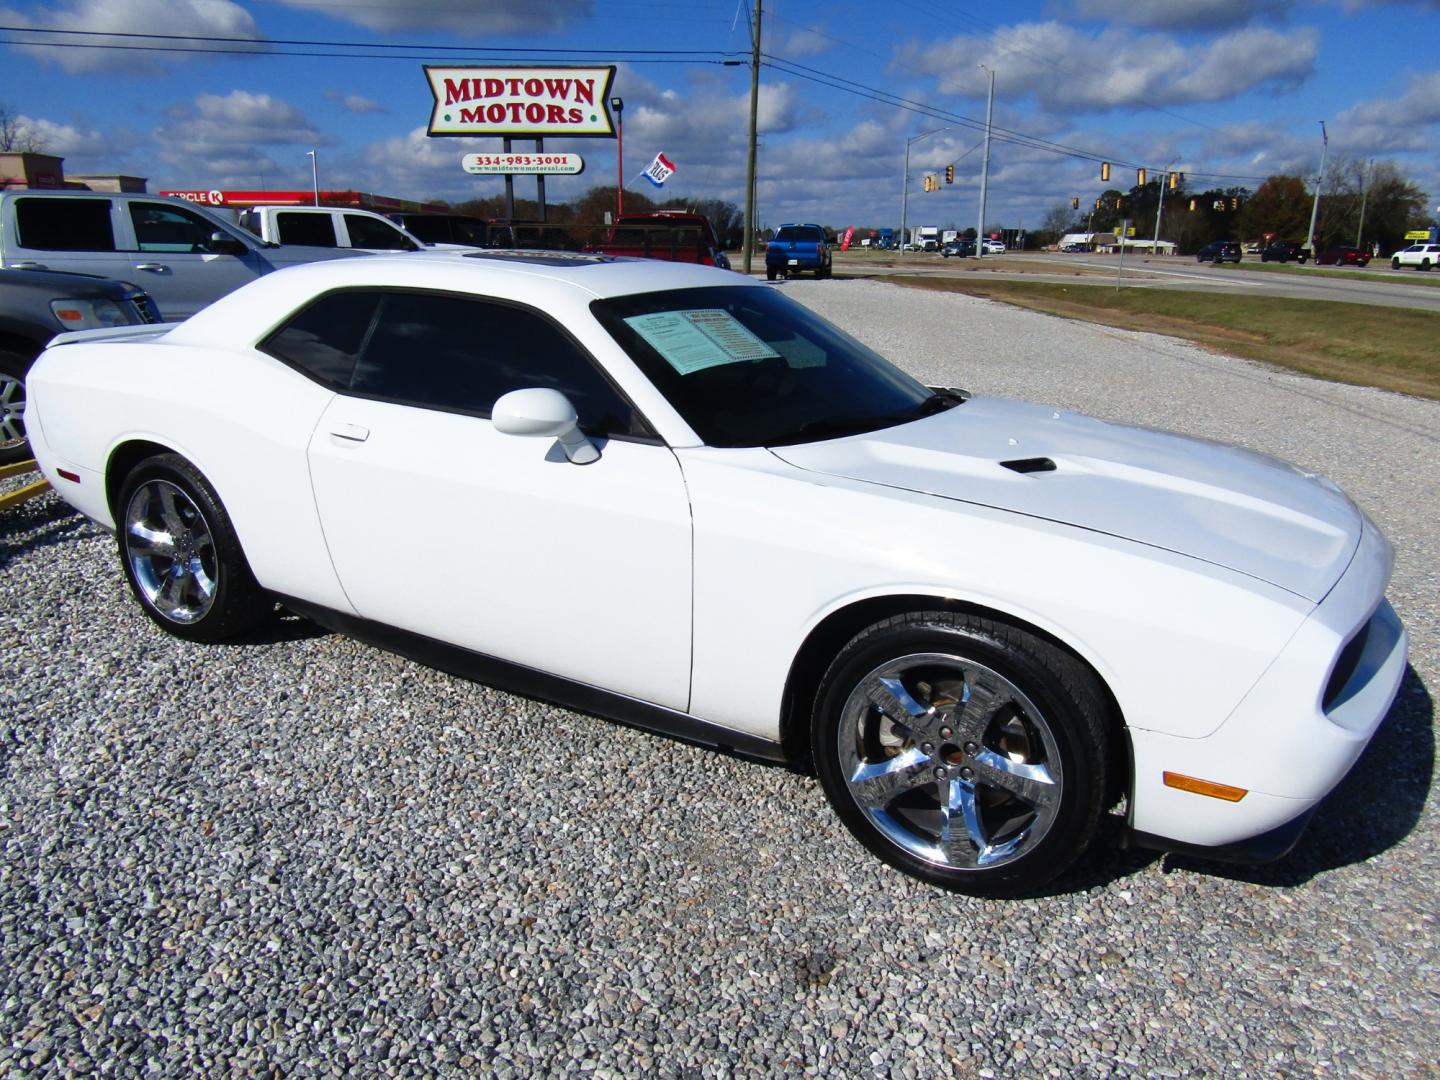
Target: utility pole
1367,182
1315,206
749,249
985,169
1164,179
314,173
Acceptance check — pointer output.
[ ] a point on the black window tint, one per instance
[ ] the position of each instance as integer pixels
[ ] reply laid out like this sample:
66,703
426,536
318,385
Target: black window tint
315,230
325,337
433,230
169,228
368,233
459,354
65,224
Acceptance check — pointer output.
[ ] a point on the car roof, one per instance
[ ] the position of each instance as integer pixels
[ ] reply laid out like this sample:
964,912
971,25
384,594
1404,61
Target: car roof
538,277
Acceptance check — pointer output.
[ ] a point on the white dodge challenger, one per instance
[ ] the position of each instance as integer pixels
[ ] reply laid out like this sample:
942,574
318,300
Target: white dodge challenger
668,495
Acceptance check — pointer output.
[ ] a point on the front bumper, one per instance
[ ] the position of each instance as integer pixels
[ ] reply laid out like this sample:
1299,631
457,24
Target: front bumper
1295,734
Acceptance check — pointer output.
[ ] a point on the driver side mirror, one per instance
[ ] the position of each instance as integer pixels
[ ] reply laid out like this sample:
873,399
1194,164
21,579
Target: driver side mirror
546,413
222,243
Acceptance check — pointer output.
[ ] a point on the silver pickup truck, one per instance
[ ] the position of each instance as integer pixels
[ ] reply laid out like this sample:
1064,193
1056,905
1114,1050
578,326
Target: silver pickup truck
183,255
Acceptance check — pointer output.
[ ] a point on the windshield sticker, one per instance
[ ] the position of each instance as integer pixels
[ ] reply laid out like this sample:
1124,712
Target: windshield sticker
692,341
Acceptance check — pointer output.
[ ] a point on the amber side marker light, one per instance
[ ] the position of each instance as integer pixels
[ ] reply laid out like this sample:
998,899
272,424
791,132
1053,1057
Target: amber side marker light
1203,787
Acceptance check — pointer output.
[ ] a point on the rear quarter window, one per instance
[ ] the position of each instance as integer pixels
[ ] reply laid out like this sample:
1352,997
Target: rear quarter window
64,224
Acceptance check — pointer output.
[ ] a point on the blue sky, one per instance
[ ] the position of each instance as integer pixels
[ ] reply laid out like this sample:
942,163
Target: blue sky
1225,89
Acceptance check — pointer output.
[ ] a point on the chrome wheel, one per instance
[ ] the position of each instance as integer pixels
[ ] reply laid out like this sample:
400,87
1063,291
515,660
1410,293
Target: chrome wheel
12,411
170,552
950,761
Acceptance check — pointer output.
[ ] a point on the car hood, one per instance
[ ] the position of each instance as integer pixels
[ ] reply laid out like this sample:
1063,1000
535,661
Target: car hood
1245,511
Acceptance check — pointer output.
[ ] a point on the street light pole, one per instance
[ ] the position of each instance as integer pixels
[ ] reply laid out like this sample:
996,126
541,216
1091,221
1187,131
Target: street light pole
905,184
1319,180
985,169
618,104
1367,182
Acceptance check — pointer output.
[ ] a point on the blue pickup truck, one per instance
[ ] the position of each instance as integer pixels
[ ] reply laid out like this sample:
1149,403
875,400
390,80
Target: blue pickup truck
795,248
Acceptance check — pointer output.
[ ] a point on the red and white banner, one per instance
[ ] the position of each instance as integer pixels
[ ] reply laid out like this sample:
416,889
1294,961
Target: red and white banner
849,235
660,170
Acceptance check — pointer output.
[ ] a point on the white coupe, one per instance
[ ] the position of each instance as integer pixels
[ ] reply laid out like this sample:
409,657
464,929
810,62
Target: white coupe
671,496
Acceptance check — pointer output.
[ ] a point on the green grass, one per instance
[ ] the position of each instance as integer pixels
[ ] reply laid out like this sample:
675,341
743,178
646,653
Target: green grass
1390,348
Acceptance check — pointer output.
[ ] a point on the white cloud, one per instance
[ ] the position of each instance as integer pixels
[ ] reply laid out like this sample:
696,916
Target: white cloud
354,103
803,41
201,18
1172,15
472,19
1408,122
1066,70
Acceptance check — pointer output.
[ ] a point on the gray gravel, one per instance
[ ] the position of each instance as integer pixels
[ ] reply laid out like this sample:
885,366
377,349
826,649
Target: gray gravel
303,856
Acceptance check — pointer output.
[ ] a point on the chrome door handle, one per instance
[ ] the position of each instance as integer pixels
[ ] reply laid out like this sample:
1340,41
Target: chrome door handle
27,266
158,268
353,433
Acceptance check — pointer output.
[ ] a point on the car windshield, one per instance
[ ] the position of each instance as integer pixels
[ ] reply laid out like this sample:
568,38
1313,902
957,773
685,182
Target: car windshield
747,366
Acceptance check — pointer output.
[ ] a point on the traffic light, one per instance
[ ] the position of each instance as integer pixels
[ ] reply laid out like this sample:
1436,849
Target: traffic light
1192,204
1139,177
1105,172
1097,203
1075,203
949,174
1174,181
927,181
1235,203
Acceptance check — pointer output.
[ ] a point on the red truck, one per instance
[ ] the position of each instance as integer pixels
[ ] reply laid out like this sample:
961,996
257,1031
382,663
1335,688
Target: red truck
674,235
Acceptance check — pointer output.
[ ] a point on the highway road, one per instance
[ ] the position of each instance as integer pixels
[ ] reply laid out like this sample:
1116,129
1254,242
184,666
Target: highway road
1381,285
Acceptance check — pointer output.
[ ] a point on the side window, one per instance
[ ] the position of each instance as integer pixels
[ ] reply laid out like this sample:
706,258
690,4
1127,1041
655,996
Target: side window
325,337
368,233
168,228
316,230
65,224
461,355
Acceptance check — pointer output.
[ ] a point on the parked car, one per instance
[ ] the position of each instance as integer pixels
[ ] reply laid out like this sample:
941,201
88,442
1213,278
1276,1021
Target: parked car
183,255
795,248
994,247
1219,251
1284,251
448,229
960,248
672,495
36,305
328,227
1342,255
1420,256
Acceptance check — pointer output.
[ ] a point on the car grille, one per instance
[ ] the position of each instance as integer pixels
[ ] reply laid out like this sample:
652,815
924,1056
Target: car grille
149,313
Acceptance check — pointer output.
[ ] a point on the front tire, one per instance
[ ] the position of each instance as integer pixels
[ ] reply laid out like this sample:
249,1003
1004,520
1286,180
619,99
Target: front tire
963,751
13,444
181,556
1394,264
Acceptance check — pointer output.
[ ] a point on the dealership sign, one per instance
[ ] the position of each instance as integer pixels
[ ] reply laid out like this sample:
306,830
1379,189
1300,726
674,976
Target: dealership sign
521,102
541,164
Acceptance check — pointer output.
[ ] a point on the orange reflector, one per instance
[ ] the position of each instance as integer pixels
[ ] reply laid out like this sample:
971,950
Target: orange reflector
1204,787
69,315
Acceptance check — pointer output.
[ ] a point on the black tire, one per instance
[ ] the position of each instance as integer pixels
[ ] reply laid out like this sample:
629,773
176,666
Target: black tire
13,444
769,273
181,556
1040,728
824,271
1425,265
1394,264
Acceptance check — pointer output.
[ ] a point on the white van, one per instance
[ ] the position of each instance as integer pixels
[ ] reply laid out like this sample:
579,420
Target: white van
328,226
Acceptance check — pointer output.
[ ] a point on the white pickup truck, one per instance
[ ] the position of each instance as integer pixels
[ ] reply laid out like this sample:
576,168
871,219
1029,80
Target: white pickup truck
328,226
183,255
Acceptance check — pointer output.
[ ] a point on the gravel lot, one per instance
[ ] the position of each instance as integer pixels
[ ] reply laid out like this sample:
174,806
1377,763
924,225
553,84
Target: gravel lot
303,856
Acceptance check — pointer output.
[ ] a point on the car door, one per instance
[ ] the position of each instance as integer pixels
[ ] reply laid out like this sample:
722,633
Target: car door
441,525
172,260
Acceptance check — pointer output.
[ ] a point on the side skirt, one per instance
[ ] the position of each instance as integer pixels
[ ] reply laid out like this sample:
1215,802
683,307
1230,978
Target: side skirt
540,685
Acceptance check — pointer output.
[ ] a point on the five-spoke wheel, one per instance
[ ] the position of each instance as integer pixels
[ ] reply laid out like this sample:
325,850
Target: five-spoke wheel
180,553
966,752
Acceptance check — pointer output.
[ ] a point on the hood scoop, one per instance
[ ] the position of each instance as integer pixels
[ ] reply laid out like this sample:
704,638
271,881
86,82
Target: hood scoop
1029,465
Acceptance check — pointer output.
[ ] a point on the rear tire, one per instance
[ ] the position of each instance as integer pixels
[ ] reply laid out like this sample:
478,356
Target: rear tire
963,751
769,273
13,444
181,556
1425,265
